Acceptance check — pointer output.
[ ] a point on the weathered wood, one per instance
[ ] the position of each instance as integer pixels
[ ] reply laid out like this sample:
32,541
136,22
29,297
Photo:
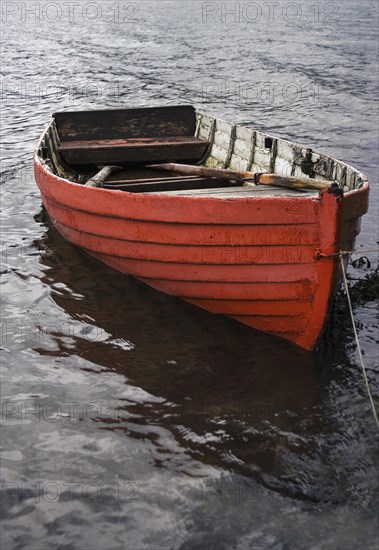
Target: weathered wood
141,172
261,179
168,184
291,182
100,177
126,123
57,162
134,150
238,192
170,179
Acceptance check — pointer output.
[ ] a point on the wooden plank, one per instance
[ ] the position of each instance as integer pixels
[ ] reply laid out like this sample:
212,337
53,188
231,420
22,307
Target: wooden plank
163,185
141,172
240,191
141,150
151,179
132,143
126,123
254,233
243,177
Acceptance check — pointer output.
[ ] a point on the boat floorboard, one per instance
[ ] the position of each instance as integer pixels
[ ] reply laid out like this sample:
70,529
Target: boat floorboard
237,192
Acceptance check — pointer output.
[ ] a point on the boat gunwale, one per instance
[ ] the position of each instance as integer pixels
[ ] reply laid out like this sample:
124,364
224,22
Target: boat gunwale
364,185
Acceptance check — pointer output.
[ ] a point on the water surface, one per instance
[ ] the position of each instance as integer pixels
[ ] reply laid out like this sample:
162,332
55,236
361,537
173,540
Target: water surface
131,419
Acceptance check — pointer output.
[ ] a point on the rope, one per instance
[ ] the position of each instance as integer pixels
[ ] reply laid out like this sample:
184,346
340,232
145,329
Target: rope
341,254
349,252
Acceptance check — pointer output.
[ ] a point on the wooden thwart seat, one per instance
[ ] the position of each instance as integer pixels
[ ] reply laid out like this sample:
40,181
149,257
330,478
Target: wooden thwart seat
142,136
135,150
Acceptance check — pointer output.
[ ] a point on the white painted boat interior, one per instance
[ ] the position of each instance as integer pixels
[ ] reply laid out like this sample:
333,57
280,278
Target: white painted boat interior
235,147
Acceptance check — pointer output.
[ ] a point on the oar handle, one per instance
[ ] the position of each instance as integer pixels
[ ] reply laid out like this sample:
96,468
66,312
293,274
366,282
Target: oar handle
244,177
289,181
203,171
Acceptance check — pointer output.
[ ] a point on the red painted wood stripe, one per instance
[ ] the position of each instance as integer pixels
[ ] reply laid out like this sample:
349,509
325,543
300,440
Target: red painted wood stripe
162,208
184,234
171,271
189,254
246,291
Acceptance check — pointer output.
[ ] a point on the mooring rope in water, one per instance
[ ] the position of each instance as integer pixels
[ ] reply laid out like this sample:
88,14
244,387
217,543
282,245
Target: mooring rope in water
341,255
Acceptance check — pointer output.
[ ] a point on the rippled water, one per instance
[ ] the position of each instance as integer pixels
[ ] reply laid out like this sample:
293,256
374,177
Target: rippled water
133,420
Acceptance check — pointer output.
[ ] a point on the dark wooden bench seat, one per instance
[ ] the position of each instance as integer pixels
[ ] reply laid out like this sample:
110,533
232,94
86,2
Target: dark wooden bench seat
133,150
126,136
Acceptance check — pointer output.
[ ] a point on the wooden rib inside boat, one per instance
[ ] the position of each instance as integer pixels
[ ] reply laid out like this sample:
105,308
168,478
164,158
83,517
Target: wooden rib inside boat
266,255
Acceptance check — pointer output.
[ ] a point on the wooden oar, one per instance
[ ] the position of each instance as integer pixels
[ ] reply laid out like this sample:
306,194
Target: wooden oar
98,179
244,177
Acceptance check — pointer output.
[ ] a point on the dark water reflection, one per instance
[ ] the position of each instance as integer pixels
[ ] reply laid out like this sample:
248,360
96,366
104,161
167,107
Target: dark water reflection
228,413
131,419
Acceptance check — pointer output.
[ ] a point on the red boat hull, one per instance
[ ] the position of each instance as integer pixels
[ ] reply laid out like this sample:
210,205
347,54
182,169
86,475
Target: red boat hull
265,261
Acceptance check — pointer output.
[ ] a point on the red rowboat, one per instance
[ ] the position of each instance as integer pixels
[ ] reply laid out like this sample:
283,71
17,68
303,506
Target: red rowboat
266,255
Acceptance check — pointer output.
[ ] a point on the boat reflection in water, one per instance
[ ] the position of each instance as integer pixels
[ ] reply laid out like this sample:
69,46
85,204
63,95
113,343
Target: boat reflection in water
231,397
